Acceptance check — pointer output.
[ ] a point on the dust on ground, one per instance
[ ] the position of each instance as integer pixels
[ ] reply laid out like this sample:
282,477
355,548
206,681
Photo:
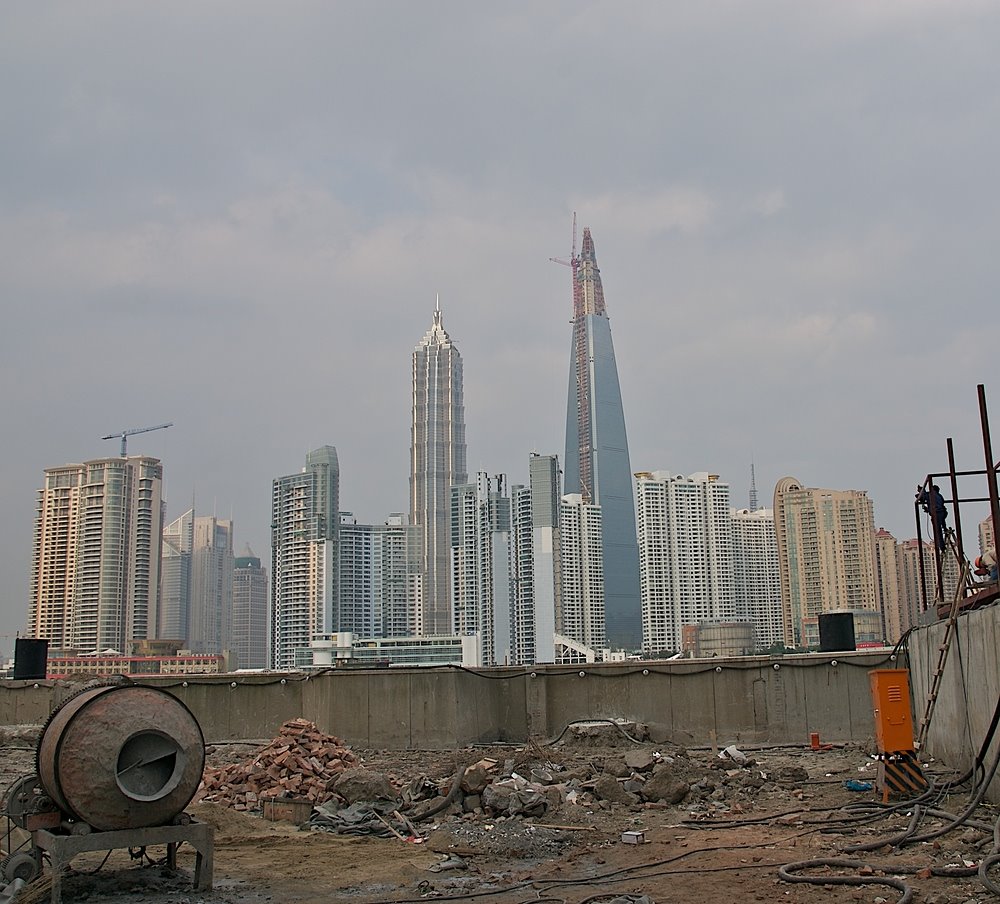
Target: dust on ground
733,822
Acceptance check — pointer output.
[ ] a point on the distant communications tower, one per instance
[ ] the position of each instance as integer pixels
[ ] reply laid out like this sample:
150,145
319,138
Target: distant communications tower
123,435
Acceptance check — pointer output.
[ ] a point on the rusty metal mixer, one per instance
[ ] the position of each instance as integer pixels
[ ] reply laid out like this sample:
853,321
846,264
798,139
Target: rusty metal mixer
116,766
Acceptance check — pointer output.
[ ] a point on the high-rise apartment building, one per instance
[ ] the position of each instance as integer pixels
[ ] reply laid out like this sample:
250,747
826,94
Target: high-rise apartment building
580,616
249,645
95,581
197,583
376,578
756,577
597,461
211,600
537,565
358,606
175,578
437,462
685,555
987,536
402,581
911,599
825,553
305,513
888,584
480,550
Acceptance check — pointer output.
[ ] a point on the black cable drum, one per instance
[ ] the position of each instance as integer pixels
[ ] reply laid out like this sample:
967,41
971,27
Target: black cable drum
122,757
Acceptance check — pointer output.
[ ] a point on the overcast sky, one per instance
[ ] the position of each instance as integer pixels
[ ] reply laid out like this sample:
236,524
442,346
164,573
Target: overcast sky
236,216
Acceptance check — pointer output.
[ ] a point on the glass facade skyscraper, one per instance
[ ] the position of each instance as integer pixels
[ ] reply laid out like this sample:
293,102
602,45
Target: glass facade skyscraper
597,464
437,462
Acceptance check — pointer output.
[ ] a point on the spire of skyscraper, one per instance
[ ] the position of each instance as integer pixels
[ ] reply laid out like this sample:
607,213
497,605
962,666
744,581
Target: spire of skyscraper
597,460
437,462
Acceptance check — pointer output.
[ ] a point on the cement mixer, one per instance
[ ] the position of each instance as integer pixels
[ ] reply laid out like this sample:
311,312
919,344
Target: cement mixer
116,766
122,757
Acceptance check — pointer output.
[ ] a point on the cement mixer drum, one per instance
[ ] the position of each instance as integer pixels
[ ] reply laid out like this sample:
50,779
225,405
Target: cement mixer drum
121,757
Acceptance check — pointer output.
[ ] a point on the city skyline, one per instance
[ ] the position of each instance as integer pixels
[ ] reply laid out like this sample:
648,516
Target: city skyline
795,240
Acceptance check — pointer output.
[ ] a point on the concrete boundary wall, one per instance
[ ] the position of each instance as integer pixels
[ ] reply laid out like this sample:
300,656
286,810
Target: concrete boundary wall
969,691
753,700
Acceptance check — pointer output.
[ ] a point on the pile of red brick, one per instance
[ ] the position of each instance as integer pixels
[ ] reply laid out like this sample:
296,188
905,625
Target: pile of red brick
301,762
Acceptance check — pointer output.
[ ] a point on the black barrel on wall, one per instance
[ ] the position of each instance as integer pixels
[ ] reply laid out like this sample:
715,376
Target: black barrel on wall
31,657
836,632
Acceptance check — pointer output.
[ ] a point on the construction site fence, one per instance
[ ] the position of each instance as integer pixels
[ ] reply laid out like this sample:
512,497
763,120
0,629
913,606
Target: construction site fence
968,692
745,700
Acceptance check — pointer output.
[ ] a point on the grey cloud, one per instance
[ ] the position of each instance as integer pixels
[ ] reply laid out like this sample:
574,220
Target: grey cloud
236,217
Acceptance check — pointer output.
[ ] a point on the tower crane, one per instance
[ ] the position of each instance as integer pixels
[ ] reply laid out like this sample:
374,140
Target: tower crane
124,434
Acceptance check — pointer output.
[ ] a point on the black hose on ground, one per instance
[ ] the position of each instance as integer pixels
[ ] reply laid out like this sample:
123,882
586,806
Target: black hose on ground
893,840
990,859
788,874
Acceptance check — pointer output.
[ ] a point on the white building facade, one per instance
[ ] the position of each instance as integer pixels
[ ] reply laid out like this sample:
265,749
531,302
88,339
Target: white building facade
536,567
377,578
480,565
304,525
580,617
685,555
756,577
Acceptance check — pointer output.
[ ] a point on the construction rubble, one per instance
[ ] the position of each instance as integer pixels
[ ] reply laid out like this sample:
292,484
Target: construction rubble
301,762
561,786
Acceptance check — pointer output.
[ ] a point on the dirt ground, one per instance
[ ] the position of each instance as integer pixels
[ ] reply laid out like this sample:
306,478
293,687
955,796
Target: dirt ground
725,841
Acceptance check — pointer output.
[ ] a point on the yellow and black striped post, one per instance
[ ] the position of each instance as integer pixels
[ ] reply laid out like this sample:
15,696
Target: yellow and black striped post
900,775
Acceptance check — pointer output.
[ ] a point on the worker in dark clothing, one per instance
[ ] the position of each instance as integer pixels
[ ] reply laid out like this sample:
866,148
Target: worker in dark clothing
933,503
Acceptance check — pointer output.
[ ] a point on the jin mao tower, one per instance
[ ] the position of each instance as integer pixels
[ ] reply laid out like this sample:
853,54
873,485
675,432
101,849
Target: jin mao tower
437,462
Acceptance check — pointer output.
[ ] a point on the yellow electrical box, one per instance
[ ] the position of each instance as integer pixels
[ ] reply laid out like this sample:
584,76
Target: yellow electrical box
893,719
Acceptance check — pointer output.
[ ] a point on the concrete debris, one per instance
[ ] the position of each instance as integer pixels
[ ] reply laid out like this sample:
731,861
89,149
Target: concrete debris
419,788
301,763
450,862
641,760
533,783
665,786
608,788
736,755
359,783
477,776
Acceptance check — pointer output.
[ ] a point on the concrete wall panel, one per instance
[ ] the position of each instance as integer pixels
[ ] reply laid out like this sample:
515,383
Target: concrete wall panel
388,723
340,708
969,689
434,717
690,702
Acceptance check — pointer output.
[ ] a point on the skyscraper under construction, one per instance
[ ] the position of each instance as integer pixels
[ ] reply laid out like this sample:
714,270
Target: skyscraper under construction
597,461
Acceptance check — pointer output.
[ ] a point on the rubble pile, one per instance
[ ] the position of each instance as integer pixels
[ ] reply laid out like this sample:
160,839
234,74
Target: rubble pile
561,786
301,762
644,777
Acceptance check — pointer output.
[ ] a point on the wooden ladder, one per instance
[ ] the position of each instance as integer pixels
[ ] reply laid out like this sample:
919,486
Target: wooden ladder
949,630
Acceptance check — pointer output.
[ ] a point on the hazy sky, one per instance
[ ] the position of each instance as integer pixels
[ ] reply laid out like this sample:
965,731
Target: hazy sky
236,216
